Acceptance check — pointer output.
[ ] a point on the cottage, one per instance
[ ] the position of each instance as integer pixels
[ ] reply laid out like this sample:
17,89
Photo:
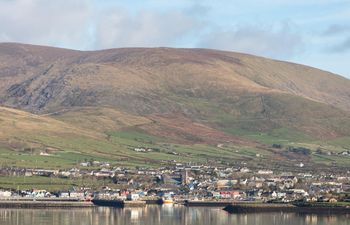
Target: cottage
223,184
77,194
133,197
5,194
265,172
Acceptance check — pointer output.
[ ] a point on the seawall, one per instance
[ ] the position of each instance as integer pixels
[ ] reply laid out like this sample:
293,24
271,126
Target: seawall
45,204
255,208
118,203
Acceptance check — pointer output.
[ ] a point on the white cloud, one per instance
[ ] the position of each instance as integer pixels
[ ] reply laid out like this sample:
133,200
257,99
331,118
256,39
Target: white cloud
78,24
96,24
119,28
341,47
336,29
45,22
268,41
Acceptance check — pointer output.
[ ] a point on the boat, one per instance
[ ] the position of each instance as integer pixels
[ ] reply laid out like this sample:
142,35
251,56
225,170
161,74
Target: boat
167,200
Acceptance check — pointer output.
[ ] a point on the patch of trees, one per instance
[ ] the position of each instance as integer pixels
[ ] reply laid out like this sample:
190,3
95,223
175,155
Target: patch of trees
319,151
277,146
299,150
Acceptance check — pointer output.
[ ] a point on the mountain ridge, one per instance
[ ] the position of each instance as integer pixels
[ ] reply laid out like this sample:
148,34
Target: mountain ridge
251,79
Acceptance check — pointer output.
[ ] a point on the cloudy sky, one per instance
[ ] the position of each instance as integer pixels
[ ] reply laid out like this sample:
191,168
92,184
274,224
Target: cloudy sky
311,32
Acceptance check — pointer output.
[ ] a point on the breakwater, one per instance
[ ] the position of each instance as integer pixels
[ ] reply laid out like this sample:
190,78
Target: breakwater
153,201
118,203
194,203
265,207
44,204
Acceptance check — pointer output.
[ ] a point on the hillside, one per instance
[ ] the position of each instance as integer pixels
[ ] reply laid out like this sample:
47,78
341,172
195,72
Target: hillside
188,101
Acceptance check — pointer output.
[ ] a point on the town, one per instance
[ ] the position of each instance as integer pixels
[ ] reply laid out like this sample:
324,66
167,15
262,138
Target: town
181,182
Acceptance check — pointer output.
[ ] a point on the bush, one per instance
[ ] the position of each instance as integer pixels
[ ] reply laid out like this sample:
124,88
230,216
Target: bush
277,146
299,150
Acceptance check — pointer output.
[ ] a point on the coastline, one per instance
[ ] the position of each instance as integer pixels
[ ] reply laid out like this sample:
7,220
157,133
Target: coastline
230,207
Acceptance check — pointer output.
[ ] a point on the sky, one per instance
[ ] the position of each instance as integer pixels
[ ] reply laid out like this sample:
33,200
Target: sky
310,32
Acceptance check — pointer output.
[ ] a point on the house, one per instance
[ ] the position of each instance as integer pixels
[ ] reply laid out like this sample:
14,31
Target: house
85,164
195,168
332,200
64,174
45,173
172,179
223,184
301,192
77,194
244,170
278,195
64,194
265,172
28,173
345,153
5,194
215,194
106,164
243,181
133,197
104,173
40,194
44,154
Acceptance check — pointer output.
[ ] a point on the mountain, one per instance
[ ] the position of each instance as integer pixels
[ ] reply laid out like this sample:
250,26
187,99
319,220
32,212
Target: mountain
186,104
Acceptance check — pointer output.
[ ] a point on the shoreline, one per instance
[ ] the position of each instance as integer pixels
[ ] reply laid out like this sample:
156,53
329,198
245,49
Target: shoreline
230,207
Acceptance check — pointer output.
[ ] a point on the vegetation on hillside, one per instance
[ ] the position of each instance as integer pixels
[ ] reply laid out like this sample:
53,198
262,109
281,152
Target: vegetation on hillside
186,105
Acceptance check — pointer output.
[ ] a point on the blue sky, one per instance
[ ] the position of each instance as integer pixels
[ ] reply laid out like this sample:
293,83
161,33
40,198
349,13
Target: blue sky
311,32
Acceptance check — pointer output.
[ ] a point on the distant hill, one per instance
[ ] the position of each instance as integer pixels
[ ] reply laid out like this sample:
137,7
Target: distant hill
185,100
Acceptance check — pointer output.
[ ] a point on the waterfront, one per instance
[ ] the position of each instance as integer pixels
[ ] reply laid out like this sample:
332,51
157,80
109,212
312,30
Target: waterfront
161,215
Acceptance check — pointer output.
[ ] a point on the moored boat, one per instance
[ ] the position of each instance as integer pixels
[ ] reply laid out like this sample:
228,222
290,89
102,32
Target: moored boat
167,201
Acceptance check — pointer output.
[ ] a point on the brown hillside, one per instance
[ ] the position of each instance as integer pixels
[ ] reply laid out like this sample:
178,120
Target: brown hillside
214,89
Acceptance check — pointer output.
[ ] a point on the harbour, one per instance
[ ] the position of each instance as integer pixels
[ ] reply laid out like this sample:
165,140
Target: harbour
228,206
161,215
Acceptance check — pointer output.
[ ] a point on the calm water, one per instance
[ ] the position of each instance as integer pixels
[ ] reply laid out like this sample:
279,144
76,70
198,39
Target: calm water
160,215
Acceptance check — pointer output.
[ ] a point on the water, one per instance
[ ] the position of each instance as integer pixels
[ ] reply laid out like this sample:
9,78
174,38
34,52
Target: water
160,215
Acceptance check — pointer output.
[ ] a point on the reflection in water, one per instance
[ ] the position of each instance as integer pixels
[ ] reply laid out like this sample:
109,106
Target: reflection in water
160,215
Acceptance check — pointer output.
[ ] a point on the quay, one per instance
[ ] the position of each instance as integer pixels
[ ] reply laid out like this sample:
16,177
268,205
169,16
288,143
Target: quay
33,204
153,201
197,203
269,207
118,203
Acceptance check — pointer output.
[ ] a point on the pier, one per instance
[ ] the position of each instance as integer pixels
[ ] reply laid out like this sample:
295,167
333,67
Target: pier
265,207
195,203
44,204
118,203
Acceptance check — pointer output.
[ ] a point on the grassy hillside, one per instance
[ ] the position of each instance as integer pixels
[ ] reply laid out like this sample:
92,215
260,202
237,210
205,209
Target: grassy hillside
193,105
24,136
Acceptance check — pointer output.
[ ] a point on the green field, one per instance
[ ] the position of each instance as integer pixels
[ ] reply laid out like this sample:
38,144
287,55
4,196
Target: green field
111,136
51,183
118,150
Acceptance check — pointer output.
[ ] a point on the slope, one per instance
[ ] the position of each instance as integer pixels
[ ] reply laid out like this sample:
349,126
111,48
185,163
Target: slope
196,99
